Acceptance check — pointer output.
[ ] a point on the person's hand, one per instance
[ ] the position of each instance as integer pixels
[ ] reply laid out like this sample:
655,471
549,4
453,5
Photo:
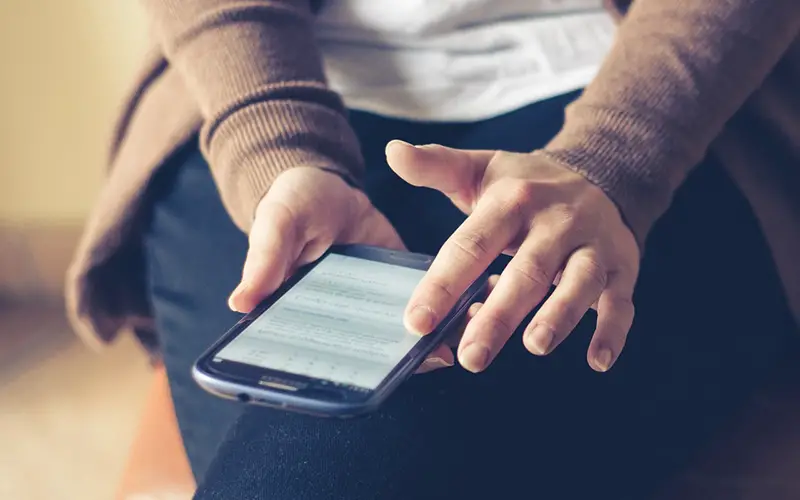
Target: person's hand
305,211
559,227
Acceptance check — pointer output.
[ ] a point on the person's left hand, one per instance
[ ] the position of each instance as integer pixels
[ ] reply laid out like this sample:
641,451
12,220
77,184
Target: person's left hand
560,228
303,213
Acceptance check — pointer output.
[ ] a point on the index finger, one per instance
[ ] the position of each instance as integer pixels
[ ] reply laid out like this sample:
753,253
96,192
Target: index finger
461,260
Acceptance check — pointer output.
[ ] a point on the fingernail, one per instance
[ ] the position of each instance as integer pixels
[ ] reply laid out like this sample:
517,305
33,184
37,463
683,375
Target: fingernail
540,339
397,141
434,363
603,359
420,320
473,309
234,294
474,357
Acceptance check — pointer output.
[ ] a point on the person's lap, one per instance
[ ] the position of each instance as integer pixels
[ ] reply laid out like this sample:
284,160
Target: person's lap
710,323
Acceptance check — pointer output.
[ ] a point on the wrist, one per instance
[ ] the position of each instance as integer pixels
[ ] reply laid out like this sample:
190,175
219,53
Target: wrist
639,201
308,188
306,178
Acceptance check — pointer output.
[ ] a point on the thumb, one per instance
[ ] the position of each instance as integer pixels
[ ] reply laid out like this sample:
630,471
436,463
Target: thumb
273,248
455,172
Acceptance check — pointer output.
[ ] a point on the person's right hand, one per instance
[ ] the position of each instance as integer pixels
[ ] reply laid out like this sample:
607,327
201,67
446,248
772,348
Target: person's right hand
305,211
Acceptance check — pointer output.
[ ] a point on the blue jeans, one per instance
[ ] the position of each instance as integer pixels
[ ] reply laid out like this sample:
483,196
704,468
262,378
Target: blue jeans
711,322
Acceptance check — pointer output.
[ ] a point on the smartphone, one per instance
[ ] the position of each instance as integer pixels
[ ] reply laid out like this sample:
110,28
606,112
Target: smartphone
331,340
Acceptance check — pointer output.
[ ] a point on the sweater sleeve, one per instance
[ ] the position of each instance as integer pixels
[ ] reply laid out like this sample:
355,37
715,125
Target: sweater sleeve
254,69
677,72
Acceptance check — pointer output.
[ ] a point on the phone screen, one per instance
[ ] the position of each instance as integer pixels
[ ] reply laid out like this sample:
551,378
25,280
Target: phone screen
342,322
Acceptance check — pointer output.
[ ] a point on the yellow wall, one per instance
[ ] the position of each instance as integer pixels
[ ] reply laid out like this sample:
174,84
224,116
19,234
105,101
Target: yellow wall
64,64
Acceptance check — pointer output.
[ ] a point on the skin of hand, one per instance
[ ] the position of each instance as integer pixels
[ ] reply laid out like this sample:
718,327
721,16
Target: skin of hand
305,211
559,227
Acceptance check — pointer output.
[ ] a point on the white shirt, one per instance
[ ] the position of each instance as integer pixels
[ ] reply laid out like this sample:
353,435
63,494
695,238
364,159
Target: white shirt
459,60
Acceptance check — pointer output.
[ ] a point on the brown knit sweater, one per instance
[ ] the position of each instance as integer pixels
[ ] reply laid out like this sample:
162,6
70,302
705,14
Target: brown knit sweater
683,77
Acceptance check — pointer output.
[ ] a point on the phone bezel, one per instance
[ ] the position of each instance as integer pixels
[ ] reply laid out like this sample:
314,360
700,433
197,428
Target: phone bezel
318,396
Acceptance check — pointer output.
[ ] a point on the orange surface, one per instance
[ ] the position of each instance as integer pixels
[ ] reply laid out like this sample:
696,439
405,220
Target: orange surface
157,466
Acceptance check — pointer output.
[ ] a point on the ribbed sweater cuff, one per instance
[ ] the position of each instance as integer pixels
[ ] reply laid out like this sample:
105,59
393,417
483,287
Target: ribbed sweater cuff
252,146
612,154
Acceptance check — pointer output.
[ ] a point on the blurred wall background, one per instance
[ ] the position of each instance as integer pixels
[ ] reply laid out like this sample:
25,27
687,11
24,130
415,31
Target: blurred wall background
64,66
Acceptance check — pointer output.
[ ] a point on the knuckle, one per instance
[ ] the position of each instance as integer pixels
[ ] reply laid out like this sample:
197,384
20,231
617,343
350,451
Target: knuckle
593,271
617,317
439,288
471,244
519,192
623,305
533,272
512,196
566,216
498,324
516,198
502,155
627,267
505,157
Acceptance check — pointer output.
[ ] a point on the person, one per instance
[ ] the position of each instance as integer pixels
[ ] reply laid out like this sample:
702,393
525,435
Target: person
245,84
